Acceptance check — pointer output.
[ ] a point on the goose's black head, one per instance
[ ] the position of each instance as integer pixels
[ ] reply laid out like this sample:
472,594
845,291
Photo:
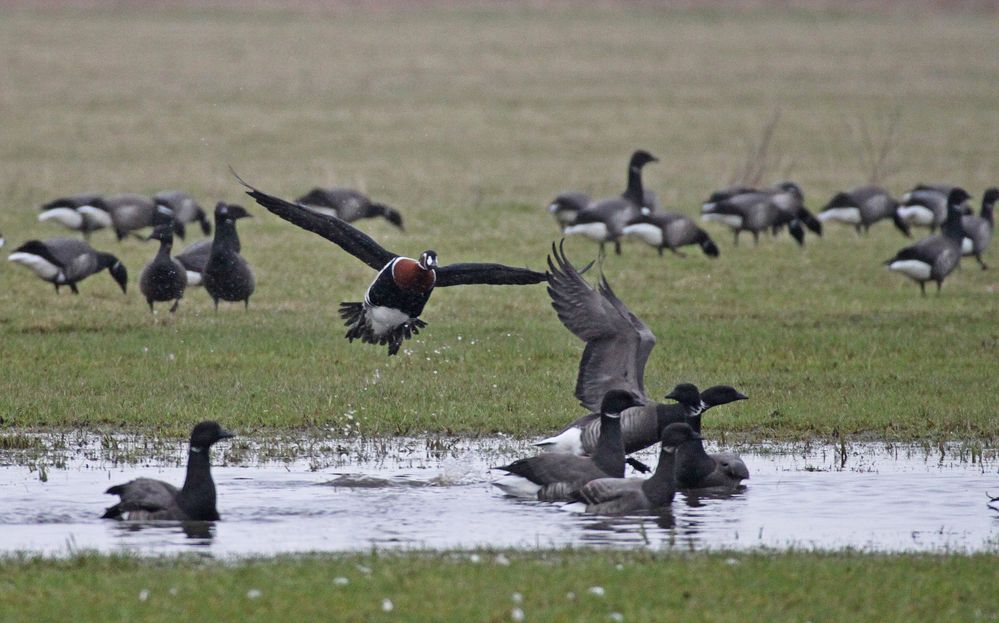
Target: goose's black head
569,202
721,395
230,212
677,434
392,216
990,197
686,394
641,158
163,233
797,232
955,201
792,188
206,434
117,270
617,400
163,215
428,259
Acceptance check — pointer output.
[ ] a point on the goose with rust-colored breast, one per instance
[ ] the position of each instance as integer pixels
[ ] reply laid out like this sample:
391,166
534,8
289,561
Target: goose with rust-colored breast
67,261
390,311
348,205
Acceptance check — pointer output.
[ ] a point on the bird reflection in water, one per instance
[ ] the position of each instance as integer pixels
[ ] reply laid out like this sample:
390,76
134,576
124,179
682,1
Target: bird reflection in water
202,532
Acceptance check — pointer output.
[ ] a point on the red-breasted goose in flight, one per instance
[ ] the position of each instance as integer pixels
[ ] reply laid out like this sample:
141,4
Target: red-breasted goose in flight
604,221
67,261
978,229
348,205
390,311
145,499
935,257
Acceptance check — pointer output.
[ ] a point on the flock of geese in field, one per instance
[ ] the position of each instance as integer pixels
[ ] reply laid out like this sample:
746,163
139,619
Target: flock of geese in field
583,463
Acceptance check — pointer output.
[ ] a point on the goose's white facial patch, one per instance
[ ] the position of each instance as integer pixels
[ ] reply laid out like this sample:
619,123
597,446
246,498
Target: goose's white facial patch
384,319
920,271
594,231
67,217
849,216
646,232
916,215
39,265
732,220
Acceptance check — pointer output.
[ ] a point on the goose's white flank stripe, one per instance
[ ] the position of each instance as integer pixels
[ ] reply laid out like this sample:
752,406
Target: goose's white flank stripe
39,265
567,441
917,215
732,220
67,217
646,232
594,231
193,278
920,271
849,216
517,486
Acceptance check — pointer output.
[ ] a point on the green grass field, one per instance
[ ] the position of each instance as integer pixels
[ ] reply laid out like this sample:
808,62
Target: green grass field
470,121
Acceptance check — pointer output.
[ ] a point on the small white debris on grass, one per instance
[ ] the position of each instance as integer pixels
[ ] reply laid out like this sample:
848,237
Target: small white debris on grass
517,598
731,561
144,594
619,567
517,614
364,570
253,593
616,616
387,605
475,558
173,591
341,581
571,596
596,590
502,561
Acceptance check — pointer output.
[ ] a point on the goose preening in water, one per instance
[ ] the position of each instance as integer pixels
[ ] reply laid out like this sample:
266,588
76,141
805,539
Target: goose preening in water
348,205
67,261
84,212
926,205
185,210
604,221
862,207
164,278
669,230
390,311
552,476
618,496
978,229
227,276
145,499
935,257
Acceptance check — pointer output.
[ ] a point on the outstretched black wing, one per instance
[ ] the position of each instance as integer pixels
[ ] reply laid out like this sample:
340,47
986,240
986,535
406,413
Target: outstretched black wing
341,233
486,274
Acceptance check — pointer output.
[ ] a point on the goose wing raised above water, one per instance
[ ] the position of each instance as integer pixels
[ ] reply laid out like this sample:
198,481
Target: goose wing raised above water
618,343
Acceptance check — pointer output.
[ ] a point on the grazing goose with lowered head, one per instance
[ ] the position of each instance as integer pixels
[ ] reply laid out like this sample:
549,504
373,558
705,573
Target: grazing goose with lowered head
390,311
84,213
554,476
348,205
164,278
926,205
131,212
696,469
669,230
935,257
185,210
753,211
618,496
145,499
67,261
978,229
790,200
862,207
604,221
227,276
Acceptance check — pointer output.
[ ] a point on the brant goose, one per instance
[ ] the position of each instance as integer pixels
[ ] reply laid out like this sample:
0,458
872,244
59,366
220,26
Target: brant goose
393,302
194,257
669,230
617,496
227,276
978,229
790,200
743,209
565,207
862,207
164,278
926,205
67,261
131,212
145,499
696,469
933,258
84,213
348,205
605,220
555,475
185,210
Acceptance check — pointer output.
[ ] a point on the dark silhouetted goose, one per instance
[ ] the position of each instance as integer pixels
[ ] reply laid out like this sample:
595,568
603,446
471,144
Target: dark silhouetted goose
395,299
145,499
565,207
863,206
617,496
131,212
554,476
978,229
790,200
696,469
933,258
604,221
83,213
926,205
348,205
669,230
164,278
67,261
227,276
185,210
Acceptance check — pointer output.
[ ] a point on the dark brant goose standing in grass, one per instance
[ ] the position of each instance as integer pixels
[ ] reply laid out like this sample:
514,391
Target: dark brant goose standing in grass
227,276
978,229
131,212
604,221
84,213
669,230
696,469
618,345
394,300
553,476
617,496
145,499
348,205
185,210
565,207
933,258
926,205
67,261
862,207
164,278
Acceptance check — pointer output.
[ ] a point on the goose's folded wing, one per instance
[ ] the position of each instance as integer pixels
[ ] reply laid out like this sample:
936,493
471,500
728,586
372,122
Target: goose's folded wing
341,233
195,256
144,494
485,274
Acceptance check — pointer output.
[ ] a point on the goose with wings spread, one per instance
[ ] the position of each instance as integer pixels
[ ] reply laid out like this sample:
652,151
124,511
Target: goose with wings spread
390,312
